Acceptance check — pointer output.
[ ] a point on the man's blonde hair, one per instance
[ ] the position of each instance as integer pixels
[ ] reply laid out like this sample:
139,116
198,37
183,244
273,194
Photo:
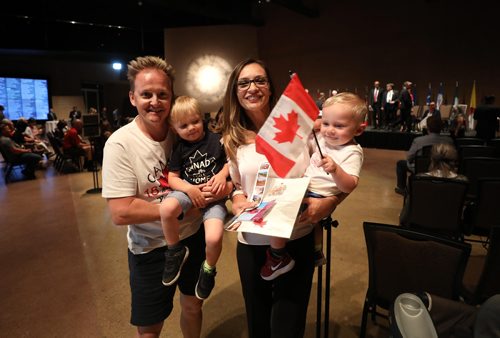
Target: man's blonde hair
357,104
184,106
144,62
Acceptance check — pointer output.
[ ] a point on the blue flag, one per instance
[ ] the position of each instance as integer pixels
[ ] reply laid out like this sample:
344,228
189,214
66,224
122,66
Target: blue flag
428,99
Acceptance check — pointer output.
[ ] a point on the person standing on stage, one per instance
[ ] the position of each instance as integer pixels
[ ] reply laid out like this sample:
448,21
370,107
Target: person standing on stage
375,105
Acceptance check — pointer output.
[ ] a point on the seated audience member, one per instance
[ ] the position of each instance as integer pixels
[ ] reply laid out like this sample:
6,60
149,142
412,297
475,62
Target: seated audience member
106,129
74,146
32,133
431,111
456,319
444,163
16,153
403,167
61,129
2,115
19,136
457,126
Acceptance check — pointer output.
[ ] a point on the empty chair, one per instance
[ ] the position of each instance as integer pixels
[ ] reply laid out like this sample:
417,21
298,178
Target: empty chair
488,283
484,212
435,204
423,160
404,260
462,141
495,142
465,151
422,164
475,168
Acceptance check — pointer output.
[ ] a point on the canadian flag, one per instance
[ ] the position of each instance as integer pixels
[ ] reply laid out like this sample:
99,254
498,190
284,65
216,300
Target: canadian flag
283,137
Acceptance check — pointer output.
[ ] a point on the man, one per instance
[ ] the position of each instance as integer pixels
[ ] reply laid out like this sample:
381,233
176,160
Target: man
74,114
51,115
434,126
487,116
321,99
375,104
134,184
432,111
389,105
15,153
405,105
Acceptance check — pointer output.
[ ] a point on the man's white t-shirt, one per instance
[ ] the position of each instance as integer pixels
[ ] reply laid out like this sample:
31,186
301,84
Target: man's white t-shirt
135,165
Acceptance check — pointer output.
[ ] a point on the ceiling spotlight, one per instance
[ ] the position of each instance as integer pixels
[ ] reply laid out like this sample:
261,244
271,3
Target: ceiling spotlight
117,65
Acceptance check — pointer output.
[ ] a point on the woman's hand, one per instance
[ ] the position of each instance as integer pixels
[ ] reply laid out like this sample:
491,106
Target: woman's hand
240,203
319,208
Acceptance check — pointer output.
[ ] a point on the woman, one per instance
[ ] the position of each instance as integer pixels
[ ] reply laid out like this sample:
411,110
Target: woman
274,308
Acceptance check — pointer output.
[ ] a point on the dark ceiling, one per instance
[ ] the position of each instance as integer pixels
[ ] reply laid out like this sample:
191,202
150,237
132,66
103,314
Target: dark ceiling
121,27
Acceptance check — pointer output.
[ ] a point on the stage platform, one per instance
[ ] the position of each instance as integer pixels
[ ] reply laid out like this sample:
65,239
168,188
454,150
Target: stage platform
386,139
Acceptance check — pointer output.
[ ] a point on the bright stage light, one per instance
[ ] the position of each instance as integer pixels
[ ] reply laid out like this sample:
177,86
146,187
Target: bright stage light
117,66
207,77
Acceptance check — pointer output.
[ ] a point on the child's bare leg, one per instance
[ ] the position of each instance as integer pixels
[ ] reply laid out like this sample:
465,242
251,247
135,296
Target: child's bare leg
214,229
278,243
170,209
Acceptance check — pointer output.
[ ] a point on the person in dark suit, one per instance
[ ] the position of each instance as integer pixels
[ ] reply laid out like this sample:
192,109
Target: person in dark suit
486,116
405,105
389,105
51,115
432,111
375,104
75,114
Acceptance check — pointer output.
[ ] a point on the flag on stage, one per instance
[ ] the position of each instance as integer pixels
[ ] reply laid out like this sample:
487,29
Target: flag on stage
439,99
472,105
284,135
428,99
455,98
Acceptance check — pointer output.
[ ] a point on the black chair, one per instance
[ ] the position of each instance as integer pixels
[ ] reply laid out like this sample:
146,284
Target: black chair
488,283
422,160
422,164
435,204
10,164
475,168
462,141
62,161
484,212
476,151
495,142
403,260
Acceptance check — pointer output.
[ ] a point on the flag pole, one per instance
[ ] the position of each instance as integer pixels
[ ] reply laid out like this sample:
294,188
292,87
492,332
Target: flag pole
325,223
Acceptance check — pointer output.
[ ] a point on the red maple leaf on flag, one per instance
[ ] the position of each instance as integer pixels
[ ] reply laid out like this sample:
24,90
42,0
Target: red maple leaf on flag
287,128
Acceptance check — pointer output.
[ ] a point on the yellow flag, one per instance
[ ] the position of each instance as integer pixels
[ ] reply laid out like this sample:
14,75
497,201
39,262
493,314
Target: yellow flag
473,98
